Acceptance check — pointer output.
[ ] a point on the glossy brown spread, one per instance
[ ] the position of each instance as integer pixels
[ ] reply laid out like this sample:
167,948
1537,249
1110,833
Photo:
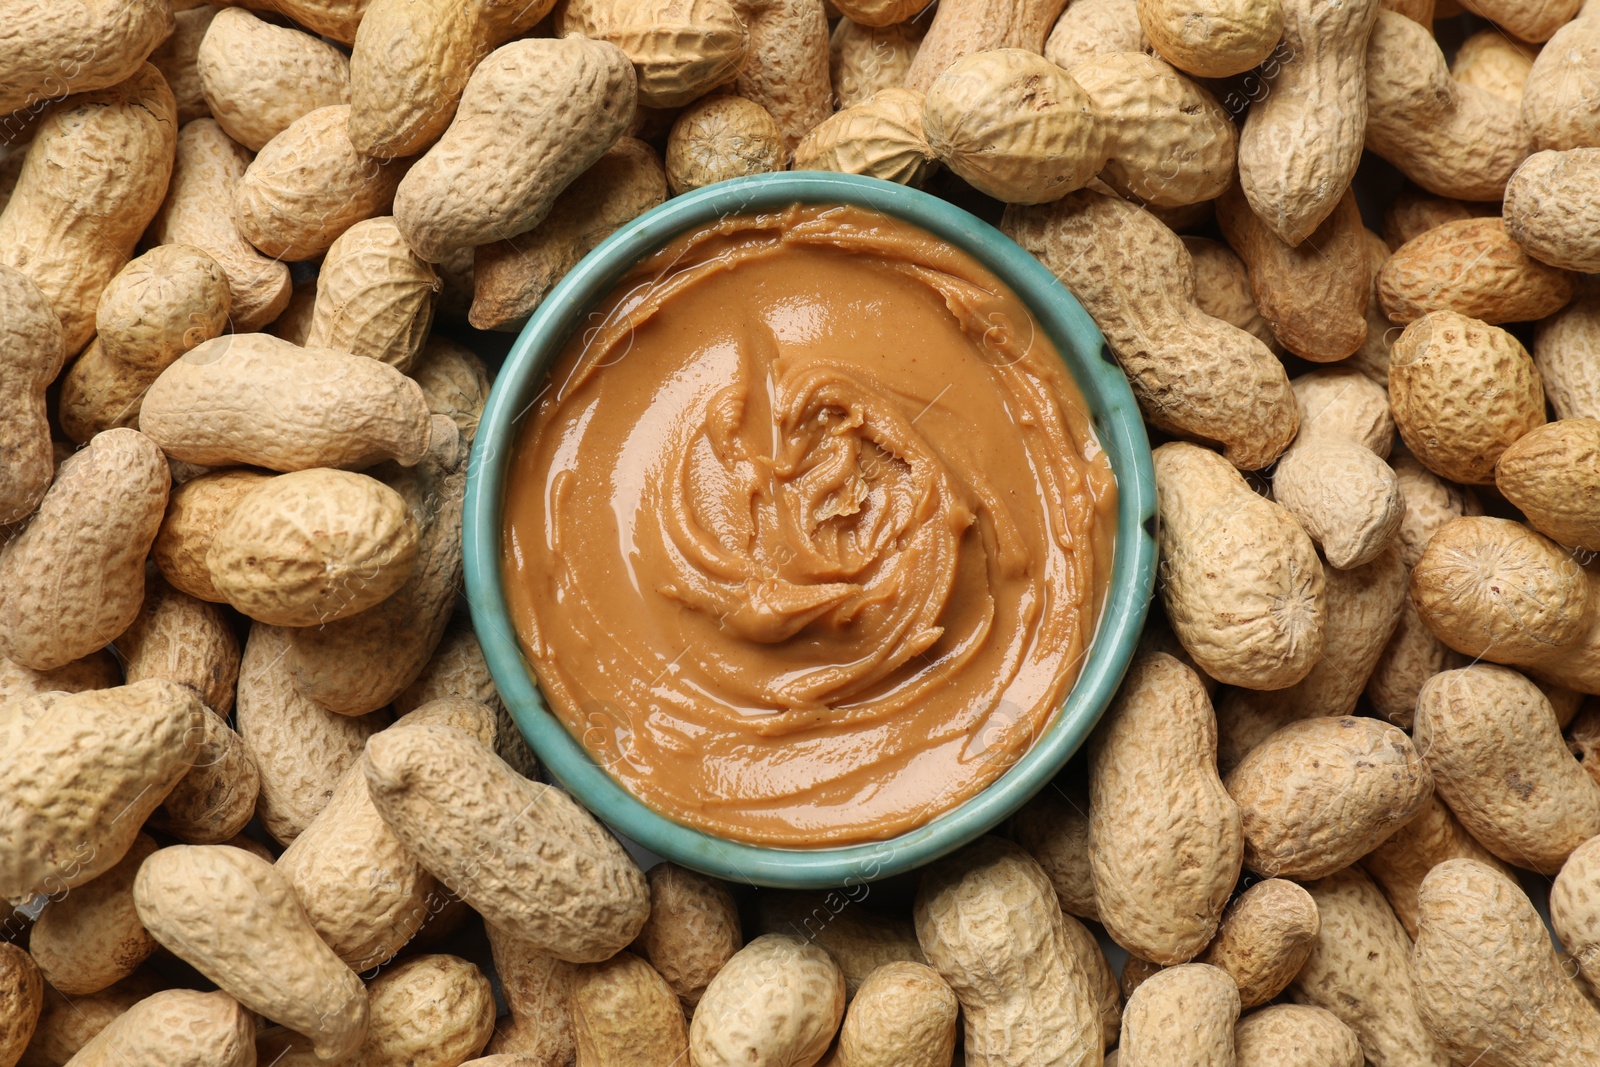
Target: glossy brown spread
808,531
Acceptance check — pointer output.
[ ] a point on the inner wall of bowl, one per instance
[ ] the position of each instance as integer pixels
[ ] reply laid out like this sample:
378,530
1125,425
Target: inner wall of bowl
1116,420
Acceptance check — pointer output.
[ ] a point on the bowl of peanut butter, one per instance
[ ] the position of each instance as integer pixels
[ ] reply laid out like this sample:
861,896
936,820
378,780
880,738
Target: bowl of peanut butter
809,530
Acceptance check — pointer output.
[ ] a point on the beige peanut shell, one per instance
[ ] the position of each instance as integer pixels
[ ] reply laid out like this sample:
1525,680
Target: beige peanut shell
73,579
177,58
428,1009
1159,816
721,137
1360,971
97,671
1551,211
308,185
91,938
194,511
454,382
258,78
1462,391
1431,502
477,824
1321,793
860,939
71,227
252,398
175,1028
903,1013
162,304
359,663
1573,914
66,1025
1054,828
1495,749
313,547
625,1015
679,51
881,12
1489,984
1084,946
198,211
879,138
1552,474
1243,587
30,336
1452,139
1212,38
83,773
538,989
301,750
472,188
1415,211
990,925
99,394
1132,275
1222,288
1472,267
512,277
1184,1014
1562,345
1265,938
786,67
52,51
1090,28
1401,863
375,297
183,640
235,919
21,1001
963,27
778,1000
864,60
214,802
1558,99
1294,1035
692,931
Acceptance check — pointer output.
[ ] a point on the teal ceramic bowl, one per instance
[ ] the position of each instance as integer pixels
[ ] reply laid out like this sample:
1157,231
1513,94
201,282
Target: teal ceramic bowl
1116,419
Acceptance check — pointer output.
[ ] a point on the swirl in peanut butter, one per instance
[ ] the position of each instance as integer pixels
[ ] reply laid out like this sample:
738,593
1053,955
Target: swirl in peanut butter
808,532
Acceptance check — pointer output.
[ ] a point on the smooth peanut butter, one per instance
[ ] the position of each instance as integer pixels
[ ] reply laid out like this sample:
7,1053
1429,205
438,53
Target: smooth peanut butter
808,530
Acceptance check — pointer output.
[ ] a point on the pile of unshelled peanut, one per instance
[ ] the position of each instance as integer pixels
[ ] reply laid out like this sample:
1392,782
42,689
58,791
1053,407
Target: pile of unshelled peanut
259,802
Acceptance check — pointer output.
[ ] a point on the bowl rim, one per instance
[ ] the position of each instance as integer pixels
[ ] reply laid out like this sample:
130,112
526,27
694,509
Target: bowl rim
1114,414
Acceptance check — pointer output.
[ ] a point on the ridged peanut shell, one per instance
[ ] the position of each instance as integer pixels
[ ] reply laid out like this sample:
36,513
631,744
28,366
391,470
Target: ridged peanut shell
1243,586
878,138
1360,971
523,855
162,304
1552,208
235,919
90,183
375,297
215,801
903,1013
625,1015
98,670
198,211
1401,863
785,69
1474,268
881,12
575,96
1222,288
1559,98
1014,126
1089,28
175,1028
1431,501
99,394
512,277
73,579
21,1001
177,58
313,547
1054,828
990,925
30,336
717,138
1294,1035
1489,984
692,931
1185,1014
361,662
1575,908
1552,474
1082,944
427,1010
301,750
1212,39
963,27
679,51
1563,347
91,938
66,1025
1168,142
308,185
778,1000
1139,289
538,990
194,511
258,77
1265,938
860,940
1493,745
865,60
1345,496
363,892
1321,793
52,50
454,382
82,773
1452,139
252,398
1493,589
1462,391
1159,816
184,640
